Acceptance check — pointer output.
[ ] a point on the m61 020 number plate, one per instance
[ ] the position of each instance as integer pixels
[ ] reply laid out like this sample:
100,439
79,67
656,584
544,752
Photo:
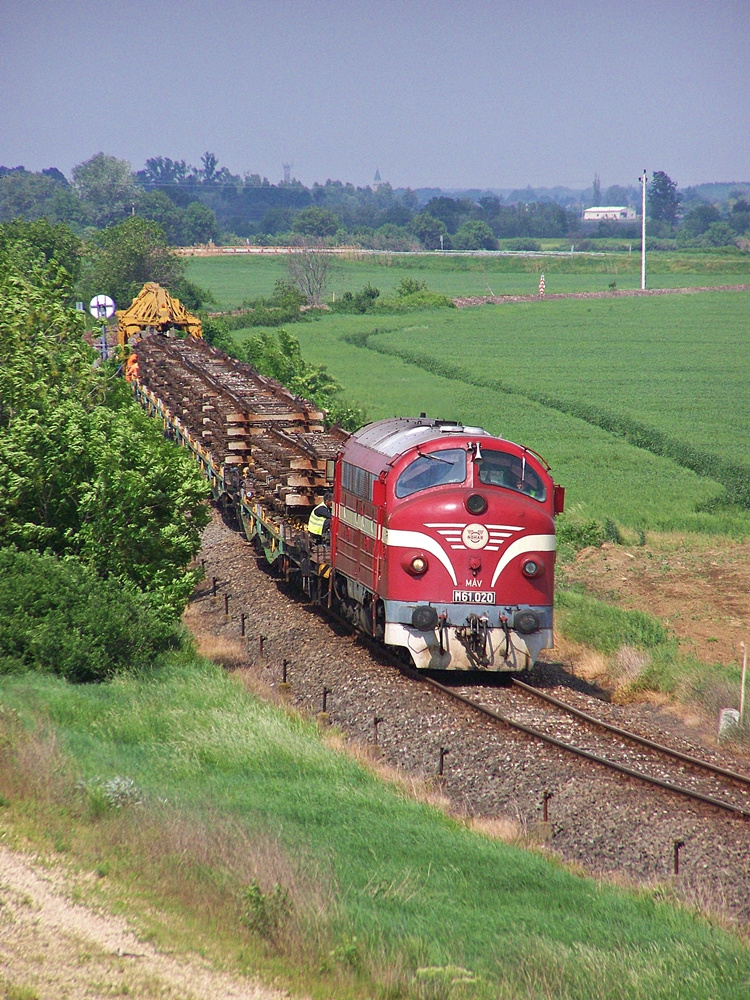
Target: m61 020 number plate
473,597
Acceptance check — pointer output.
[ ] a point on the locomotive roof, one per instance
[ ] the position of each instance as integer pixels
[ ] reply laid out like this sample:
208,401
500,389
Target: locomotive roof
398,434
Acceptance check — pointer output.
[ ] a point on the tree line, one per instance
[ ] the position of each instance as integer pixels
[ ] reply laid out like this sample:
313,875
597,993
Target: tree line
200,205
100,516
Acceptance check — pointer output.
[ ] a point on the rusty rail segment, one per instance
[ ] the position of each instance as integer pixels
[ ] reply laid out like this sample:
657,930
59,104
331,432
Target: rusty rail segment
634,737
587,755
275,440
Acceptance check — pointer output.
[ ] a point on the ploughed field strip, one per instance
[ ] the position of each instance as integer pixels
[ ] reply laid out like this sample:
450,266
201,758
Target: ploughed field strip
242,419
595,739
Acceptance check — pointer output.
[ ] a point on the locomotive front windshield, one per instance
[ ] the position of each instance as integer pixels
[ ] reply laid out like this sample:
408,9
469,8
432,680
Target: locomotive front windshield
498,468
434,469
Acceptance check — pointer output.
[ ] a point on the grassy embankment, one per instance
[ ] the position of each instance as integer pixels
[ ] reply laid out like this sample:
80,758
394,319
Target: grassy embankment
634,402
193,800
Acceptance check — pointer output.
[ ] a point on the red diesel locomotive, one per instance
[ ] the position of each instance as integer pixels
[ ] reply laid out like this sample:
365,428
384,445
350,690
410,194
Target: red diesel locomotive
443,542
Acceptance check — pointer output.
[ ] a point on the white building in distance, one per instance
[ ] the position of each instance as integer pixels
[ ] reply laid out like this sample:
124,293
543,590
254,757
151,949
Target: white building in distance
610,212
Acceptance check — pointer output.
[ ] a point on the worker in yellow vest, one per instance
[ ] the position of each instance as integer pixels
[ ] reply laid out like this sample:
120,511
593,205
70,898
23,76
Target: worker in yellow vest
319,523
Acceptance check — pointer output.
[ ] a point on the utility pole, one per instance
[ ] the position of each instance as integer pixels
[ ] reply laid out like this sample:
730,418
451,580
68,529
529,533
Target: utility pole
644,180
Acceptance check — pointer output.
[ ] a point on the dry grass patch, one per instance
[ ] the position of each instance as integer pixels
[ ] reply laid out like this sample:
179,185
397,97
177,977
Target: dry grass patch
497,828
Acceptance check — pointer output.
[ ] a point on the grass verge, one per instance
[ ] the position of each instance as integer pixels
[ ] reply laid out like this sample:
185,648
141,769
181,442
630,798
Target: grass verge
228,825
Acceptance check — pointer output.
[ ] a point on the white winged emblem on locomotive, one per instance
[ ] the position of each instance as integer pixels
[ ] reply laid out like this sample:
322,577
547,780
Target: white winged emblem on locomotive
460,535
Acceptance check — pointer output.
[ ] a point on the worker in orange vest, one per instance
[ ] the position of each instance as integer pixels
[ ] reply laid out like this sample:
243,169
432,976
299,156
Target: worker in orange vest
132,372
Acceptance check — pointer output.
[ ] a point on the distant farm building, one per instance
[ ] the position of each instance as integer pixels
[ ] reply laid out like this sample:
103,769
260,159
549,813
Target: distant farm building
614,213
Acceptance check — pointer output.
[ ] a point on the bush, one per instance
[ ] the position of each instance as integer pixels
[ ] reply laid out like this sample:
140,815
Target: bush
357,302
605,627
522,244
580,532
58,616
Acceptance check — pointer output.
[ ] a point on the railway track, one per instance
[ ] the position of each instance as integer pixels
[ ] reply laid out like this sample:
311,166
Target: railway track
691,777
593,739
242,419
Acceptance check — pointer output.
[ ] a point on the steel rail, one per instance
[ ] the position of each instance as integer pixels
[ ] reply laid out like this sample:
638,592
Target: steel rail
587,755
634,737
531,731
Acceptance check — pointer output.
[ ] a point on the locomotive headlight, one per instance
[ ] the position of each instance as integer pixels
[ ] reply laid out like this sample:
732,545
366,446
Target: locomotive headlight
415,564
476,504
419,564
532,567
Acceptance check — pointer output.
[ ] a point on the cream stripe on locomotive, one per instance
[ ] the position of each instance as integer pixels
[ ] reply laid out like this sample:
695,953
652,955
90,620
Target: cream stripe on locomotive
530,543
416,539
364,524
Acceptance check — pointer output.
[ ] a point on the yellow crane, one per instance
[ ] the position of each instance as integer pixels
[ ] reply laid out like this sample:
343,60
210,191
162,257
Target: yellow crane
154,308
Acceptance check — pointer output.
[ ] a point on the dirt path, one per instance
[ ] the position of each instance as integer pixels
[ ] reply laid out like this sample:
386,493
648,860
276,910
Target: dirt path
52,947
480,300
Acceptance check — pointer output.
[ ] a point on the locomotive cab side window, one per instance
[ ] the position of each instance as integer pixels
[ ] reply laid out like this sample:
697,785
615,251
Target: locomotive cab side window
434,469
498,468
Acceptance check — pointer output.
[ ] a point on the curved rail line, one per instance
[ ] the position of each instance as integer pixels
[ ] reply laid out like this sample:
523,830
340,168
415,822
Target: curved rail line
570,747
634,737
225,386
612,765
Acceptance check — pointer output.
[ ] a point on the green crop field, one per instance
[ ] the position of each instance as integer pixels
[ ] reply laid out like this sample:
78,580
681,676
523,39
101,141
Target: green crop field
233,279
639,404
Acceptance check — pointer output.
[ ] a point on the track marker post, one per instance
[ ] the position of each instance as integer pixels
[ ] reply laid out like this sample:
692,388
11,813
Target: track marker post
742,683
285,687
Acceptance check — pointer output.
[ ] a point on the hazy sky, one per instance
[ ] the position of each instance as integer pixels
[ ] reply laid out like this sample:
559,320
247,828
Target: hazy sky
437,93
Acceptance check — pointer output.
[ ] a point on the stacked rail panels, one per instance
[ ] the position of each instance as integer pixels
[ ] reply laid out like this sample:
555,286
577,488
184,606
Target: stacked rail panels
275,440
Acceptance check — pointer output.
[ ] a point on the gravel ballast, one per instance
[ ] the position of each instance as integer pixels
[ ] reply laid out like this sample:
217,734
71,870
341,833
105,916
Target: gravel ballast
610,825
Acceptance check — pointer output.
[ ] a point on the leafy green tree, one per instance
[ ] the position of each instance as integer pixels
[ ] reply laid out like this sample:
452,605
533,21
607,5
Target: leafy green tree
452,212
474,235
718,234
107,188
739,217
276,220
617,195
83,471
58,616
316,222
25,195
429,231
280,356
56,247
120,259
199,225
159,208
697,221
663,198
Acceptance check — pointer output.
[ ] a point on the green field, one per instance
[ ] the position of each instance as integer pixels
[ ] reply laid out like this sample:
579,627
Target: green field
233,279
639,404
177,788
